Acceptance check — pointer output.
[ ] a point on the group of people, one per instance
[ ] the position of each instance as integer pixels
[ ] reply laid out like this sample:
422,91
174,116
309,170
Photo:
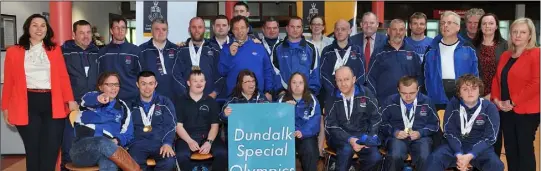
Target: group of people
355,93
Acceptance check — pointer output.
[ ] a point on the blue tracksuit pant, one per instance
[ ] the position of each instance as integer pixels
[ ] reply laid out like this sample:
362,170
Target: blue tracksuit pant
143,149
397,152
443,158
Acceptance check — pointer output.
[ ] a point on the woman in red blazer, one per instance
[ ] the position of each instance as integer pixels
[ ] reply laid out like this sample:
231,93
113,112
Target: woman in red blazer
515,90
37,93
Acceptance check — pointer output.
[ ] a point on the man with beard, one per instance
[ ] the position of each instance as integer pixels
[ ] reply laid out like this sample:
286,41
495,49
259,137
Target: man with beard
418,40
395,61
295,54
449,57
242,54
80,55
158,55
271,32
198,54
122,57
154,124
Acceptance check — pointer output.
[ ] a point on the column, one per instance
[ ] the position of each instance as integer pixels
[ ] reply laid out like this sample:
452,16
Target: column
378,9
60,19
229,5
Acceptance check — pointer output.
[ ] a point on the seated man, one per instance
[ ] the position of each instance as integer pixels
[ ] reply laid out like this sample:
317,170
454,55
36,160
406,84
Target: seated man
408,122
154,125
198,125
353,128
470,128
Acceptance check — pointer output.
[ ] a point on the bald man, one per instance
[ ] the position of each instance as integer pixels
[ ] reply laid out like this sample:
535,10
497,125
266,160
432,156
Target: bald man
352,123
198,53
342,52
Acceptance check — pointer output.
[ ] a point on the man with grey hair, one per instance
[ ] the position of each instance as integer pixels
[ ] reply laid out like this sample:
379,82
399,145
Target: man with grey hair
396,60
472,22
371,41
158,55
449,57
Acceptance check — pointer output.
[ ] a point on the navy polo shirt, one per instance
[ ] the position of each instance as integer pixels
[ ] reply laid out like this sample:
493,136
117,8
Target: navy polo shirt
197,117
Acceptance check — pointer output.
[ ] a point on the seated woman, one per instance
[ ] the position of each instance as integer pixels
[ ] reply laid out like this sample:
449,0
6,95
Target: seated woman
103,131
470,128
307,120
245,91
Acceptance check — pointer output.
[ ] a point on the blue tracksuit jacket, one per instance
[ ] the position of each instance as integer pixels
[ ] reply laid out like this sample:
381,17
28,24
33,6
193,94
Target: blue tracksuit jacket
307,116
426,120
75,58
123,59
288,59
388,66
112,120
250,56
465,60
364,121
163,120
208,64
356,62
260,98
149,56
483,133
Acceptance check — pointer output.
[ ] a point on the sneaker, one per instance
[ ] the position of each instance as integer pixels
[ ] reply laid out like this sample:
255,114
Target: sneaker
203,168
196,168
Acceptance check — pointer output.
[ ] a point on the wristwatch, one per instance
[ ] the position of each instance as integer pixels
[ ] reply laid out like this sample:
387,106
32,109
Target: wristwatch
210,141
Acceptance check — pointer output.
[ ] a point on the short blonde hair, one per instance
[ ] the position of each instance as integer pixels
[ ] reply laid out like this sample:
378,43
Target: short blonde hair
474,11
451,13
533,35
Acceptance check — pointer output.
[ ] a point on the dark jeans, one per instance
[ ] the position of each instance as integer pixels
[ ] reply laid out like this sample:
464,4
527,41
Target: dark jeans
218,151
92,151
308,152
519,134
42,137
141,150
369,157
398,152
444,157
67,140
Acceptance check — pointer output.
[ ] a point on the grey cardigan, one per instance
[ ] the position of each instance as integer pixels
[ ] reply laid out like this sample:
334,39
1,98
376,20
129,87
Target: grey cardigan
500,48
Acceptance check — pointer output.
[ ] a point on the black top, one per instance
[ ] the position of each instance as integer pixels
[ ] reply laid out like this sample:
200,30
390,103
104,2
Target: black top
505,73
197,117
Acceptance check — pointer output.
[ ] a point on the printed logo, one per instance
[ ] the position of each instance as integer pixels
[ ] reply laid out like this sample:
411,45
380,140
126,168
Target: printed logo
157,111
117,118
479,122
305,117
171,53
423,111
363,102
254,53
210,53
409,56
128,60
353,55
204,108
304,57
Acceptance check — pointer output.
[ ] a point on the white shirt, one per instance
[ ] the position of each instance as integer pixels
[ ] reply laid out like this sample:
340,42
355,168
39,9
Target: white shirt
372,42
447,53
37,68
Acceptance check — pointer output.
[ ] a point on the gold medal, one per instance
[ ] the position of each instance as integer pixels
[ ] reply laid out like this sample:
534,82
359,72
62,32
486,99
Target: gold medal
147,128
407,130
195,68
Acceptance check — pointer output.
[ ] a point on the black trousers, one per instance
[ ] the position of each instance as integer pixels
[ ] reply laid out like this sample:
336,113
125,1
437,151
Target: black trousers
519,134
42,136
498,143
308,152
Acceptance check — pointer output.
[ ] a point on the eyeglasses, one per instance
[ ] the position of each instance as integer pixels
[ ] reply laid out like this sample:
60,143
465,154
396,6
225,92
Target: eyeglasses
447,23
112,84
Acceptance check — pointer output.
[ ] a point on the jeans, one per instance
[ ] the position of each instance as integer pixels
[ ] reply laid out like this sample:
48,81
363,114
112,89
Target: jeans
91,151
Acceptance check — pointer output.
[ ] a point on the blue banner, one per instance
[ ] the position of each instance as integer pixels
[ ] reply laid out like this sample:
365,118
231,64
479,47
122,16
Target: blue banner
261,137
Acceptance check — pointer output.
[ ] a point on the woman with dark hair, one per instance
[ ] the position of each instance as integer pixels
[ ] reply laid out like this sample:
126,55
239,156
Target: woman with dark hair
37,93
317,28
245,91
101,133
307,119
489,47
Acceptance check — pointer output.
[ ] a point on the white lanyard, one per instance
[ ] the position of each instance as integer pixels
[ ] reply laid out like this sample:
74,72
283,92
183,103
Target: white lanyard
408,120
267,46
341,60
160,51
350,111
147,118
226,42
465,128
196,57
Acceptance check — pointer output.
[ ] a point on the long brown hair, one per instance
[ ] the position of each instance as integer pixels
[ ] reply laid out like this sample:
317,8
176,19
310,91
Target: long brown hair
104,76
306,95
237,90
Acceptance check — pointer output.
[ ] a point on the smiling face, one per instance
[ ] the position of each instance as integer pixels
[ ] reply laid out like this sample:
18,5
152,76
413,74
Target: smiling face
396,32
248,84
82,35
197,29
37,29
110,86
146,86
197,83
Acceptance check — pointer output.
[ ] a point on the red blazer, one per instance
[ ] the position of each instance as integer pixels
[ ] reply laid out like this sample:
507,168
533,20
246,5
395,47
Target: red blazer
14,93
523,81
